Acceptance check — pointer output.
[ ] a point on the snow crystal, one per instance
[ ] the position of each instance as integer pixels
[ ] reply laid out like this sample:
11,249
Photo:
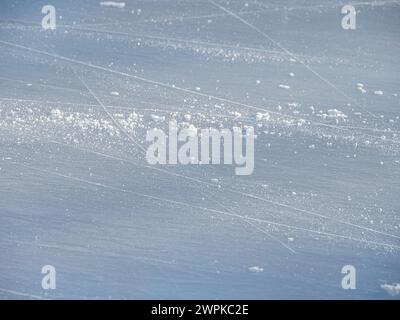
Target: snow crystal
334,113
378,92
262,116
301,122
284,86
256,269
56,114
392,289
119,5
360,87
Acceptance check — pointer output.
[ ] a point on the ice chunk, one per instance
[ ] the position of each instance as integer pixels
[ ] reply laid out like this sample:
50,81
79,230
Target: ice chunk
256,269
392,289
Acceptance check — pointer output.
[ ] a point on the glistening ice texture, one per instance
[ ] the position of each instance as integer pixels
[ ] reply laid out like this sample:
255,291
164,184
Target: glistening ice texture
77,193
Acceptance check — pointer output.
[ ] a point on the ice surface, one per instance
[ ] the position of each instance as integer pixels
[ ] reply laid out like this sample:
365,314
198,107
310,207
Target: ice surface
77,193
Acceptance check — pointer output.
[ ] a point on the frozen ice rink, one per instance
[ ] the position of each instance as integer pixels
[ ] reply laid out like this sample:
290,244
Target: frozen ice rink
77,193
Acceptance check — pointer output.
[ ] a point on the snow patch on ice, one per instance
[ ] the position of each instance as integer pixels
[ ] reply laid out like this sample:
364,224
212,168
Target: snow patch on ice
392,289
262,116
360,87
256,269
119,5
237,114
334,114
